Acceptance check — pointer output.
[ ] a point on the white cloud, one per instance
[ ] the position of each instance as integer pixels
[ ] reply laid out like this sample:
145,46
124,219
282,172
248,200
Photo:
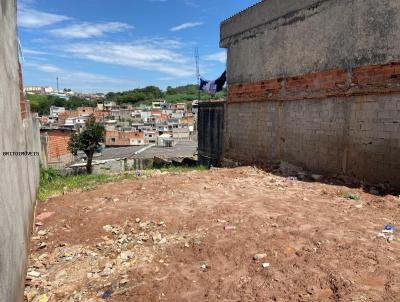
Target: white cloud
89,30
219,57
44,67
76,77
157,55
32,52
31,18
186,25
191,3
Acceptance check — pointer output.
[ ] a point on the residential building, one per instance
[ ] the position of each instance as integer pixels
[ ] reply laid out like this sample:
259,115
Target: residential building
55,111
181,133
159,104
166,140
85,110
81,121
150,136
124,138
55,146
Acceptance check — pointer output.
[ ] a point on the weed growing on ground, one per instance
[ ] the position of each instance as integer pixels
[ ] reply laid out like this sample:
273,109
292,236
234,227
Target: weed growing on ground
352,196
52,183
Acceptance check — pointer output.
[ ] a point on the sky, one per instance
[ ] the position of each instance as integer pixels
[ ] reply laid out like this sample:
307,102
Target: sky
118,45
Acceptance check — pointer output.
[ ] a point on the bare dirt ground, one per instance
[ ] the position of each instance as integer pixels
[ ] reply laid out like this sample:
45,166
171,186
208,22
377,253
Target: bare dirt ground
319,245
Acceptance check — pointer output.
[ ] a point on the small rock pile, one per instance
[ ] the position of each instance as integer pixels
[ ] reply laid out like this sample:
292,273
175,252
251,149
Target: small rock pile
87,273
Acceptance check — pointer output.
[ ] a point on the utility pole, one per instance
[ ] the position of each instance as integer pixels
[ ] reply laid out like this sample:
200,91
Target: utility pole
197,58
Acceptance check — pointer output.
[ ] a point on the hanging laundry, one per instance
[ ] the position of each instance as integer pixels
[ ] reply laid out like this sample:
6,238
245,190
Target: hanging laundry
212,87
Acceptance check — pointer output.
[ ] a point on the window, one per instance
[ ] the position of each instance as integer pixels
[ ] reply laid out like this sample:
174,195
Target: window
113,139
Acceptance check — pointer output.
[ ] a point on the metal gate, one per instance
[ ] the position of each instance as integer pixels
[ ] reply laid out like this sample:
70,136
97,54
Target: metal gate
210,132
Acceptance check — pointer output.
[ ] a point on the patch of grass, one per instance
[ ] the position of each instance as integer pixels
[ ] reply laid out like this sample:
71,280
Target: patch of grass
352,196
175,169
53,184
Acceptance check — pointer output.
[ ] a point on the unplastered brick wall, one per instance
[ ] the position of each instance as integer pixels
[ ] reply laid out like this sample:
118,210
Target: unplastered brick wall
57,146
357,135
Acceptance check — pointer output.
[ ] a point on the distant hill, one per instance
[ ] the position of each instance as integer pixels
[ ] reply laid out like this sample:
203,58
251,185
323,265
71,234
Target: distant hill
148,94
41,103
181,94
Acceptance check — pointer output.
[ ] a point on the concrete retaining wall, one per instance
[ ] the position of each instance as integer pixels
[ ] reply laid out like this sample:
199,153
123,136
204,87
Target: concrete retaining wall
19,174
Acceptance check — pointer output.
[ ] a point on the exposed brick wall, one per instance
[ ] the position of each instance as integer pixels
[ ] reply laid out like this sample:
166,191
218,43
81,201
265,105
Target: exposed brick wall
62,116
123,138
85,110
101,115
57,145
364,80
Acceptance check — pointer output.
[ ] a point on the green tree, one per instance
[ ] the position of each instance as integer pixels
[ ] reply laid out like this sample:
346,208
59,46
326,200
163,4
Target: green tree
42,103
87,141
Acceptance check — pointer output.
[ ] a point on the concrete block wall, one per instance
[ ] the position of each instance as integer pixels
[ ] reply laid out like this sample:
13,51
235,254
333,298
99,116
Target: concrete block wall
19,174
357,136
315,83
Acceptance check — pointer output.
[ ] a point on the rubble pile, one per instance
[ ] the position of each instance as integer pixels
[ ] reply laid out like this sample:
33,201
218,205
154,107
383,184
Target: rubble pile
94,272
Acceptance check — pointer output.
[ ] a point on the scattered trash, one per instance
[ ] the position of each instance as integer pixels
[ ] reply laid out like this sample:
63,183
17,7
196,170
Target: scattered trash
352,196
391,238
259,256
204,266
292,178
231,227
138,173
387,232
358,206
388,228
107,294
266,264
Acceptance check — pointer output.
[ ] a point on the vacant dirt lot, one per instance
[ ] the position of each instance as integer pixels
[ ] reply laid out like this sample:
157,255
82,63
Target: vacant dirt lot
320,246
